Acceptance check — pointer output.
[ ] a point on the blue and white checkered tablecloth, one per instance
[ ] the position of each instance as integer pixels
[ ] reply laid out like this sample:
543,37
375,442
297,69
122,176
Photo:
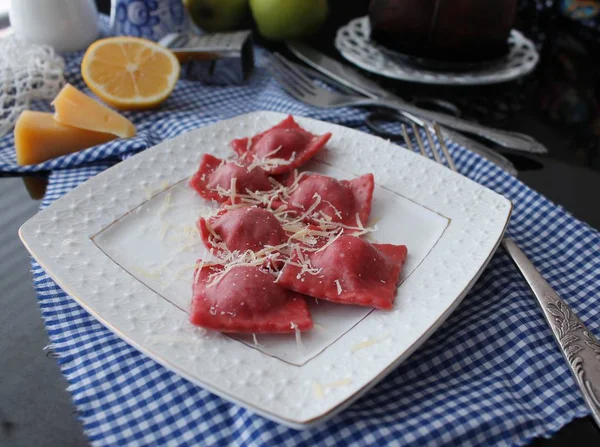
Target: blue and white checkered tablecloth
491,375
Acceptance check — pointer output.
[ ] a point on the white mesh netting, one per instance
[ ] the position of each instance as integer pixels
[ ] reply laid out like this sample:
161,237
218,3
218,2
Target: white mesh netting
27,72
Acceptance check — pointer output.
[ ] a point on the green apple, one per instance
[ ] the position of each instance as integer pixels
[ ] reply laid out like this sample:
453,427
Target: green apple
288,19
217,15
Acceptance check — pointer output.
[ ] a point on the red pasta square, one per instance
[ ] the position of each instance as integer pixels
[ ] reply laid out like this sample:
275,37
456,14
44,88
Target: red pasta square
282,148
215,174
246,300
349,271
338,201
240,229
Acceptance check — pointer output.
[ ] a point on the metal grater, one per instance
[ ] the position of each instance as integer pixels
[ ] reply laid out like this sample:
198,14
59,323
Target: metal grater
220,58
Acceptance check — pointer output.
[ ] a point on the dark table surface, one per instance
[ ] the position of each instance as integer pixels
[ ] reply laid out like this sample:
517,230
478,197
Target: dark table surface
36,409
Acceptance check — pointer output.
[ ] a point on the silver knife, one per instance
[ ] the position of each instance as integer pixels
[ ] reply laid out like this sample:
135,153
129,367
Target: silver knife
459,138
356,81
578,345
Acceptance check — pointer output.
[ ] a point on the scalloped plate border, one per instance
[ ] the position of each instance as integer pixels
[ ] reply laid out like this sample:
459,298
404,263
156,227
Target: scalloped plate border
354,45
59,238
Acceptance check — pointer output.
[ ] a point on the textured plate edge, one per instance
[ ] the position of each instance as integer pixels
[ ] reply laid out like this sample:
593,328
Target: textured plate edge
300,423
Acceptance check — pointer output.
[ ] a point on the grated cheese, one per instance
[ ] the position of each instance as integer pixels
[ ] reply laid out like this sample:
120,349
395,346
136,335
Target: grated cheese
318,390
267,161
327,217
278,276
277,184
232,189
148,274
299,344
188,246
309,212
242,261
199,267
164,228
339,286
331,241
228,192
185,234
339,383
358,222
211,229
369,342
185,268
166,204
235,161
335,210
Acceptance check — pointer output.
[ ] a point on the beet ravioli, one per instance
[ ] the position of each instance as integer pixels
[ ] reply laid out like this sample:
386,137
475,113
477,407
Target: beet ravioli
240,229
215,178
281,236
282,148
349,271
340,201
245,299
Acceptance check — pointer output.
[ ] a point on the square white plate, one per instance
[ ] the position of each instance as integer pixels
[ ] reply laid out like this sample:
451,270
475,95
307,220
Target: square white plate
123,245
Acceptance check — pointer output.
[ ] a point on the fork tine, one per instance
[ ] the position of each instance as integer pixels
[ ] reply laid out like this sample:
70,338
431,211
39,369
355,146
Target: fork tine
409,144
287,80
419,140
440,137
434,150
288,86
302,80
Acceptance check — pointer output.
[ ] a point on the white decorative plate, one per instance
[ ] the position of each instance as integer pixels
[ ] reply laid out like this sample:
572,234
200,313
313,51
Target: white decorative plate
122,245
353,42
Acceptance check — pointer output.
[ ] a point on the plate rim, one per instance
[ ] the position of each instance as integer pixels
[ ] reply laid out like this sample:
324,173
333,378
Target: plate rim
298,423
445,79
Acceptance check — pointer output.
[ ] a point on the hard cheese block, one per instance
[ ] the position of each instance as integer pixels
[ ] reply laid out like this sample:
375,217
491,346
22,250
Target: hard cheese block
39,137
76,109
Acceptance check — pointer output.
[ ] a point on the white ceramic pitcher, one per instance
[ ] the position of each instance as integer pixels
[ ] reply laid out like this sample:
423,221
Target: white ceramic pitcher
66,25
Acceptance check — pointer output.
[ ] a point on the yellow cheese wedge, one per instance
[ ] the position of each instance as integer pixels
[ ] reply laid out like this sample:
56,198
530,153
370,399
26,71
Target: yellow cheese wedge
75,108
36,186
39,137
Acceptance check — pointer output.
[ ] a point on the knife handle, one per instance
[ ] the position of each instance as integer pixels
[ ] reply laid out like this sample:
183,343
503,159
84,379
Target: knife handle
513,140
578,345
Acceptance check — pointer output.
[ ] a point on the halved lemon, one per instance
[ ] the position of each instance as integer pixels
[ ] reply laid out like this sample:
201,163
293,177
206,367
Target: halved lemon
130,73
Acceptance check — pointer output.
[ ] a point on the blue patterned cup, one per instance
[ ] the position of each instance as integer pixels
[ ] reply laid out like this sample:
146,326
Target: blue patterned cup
150,19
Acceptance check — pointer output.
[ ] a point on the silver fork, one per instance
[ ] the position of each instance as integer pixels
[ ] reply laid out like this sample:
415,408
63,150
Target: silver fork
302,88
286,71
578,345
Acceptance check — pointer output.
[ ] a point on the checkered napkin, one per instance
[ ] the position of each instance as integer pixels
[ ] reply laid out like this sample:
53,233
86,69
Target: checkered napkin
492,374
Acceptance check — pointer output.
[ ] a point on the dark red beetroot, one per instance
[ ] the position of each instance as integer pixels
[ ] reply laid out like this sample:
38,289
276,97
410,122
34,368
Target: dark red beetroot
354,271
246,300
286,141
456,30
